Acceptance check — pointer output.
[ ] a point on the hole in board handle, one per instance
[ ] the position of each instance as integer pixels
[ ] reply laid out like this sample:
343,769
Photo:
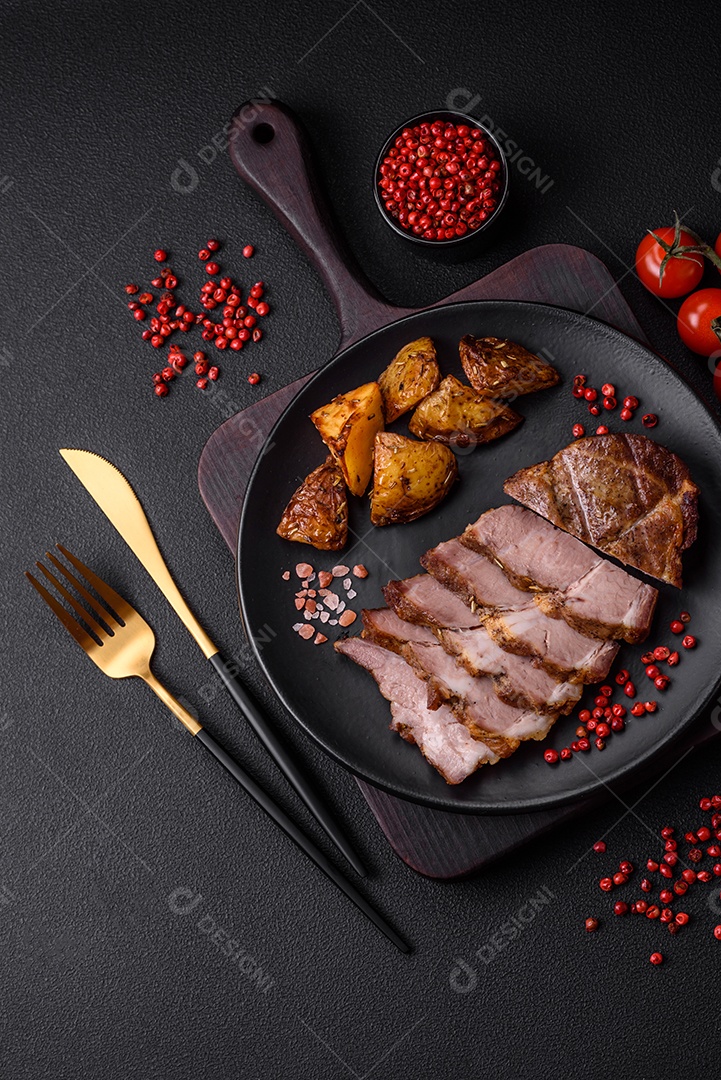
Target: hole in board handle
263,133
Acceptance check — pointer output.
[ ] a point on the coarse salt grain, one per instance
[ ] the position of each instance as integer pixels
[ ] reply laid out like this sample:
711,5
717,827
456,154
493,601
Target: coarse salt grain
319,638
306,632
324,578
303,569
286,576
324,616
333,622
347,618
299,603
360,571
341,606
332,601
339,571
297,626
352,594
347,583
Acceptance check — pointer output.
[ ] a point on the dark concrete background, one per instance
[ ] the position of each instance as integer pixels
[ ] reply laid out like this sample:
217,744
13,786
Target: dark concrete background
107,813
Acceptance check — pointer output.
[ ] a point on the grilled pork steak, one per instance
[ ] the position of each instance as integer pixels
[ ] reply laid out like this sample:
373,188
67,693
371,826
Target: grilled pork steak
568,579
516,680
512,617
442,739
625,494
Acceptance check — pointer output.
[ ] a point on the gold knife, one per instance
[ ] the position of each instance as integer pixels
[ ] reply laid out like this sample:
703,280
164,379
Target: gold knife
116,498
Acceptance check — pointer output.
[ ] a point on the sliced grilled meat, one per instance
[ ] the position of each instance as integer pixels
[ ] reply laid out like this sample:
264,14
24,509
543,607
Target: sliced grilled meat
568,580
474,701
625,494
442,739
512,617
423,600
516,680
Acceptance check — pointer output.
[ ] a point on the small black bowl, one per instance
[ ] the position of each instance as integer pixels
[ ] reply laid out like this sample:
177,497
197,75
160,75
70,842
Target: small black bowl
459,246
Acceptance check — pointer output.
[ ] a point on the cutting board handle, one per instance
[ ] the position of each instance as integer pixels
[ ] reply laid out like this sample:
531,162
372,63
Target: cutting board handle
272,153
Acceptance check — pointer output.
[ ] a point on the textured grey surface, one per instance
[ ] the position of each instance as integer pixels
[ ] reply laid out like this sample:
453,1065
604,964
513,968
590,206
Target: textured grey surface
106,811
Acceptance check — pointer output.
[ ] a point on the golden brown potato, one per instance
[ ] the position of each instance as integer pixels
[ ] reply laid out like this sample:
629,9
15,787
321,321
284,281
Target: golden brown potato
456,415
409,478
317,513
348,425
411,375
497,367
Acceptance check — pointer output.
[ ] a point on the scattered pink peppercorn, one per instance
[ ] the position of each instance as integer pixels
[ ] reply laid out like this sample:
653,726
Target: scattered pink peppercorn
161,389
551,756
656,958
254,378
599,847
160,255
689,642
676,627
591,925
248,251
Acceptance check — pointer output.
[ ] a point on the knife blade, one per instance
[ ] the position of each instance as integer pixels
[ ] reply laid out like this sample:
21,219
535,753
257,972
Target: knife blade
116,498
121,506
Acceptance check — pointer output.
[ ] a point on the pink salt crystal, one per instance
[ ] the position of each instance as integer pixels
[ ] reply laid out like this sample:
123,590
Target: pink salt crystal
347,618
339,571
303,569
306,632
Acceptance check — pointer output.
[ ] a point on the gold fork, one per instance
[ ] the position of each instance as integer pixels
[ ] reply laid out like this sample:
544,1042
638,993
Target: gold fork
121,644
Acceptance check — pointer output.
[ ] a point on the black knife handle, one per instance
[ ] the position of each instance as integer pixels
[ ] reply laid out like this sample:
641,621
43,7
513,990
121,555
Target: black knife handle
304,843
285,763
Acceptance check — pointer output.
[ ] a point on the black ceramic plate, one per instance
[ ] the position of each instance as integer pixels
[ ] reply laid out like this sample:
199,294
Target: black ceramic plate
337,702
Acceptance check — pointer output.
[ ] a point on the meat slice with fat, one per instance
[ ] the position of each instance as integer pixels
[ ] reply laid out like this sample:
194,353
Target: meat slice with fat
474,701
422,599
512,617
515,679
443,740
568,580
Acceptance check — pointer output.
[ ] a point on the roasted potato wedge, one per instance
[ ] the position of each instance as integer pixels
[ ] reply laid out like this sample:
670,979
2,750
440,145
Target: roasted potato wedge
348,426
317,513
409,478
456,415
410,376
497,367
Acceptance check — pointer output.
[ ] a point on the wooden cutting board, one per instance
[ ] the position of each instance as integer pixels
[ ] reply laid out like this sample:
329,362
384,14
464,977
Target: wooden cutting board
437,844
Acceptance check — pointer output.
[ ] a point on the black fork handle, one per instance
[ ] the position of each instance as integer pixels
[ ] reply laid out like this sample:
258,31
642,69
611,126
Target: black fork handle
298,836
284,761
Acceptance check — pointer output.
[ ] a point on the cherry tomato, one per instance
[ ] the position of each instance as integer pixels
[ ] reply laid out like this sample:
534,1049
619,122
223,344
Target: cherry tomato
717,245
682,272
695,318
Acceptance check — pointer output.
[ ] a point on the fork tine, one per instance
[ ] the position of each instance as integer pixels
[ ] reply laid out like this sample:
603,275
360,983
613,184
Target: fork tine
91,620
109,595
83,639
103,615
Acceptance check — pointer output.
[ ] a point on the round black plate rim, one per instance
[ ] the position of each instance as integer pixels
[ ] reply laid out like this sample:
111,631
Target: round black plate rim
543,802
